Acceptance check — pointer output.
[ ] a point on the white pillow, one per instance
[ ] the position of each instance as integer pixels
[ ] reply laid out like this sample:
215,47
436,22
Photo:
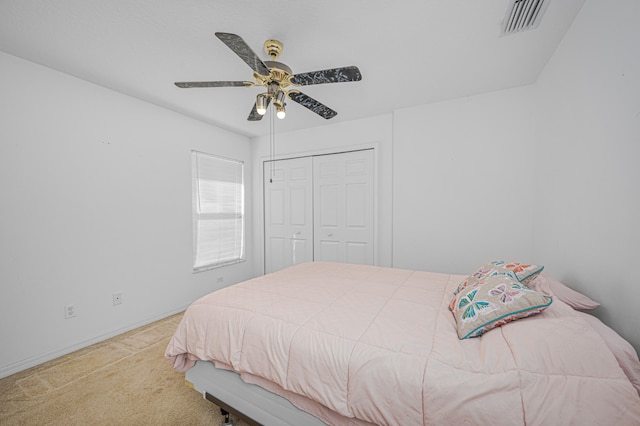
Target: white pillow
547,284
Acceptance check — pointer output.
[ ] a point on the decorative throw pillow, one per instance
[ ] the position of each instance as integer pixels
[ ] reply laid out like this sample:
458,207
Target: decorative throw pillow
472,281
497,300
523,272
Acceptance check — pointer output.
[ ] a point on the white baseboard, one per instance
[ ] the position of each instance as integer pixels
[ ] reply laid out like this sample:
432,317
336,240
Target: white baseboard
16,367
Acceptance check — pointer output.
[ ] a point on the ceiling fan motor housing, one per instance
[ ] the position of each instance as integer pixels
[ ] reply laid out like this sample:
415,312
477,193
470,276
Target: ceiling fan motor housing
279,72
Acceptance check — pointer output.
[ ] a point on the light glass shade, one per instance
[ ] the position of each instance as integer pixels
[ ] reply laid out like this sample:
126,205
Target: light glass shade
280,112
261,104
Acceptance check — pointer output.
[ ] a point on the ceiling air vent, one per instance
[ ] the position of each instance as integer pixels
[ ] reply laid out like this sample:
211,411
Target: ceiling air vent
523,15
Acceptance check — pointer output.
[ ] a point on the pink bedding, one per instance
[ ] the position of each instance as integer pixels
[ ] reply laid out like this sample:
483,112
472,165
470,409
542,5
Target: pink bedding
379,345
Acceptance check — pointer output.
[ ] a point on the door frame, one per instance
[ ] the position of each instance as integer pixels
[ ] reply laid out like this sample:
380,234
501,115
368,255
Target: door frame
328,151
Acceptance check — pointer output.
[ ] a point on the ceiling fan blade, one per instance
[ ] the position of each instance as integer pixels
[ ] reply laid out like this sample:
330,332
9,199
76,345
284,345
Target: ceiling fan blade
335,75
253,115
310,103
242,49
190,84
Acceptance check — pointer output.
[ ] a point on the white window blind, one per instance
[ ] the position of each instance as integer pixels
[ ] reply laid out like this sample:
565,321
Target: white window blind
218,211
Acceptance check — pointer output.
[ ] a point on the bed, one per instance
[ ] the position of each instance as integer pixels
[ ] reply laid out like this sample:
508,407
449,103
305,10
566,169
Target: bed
346,344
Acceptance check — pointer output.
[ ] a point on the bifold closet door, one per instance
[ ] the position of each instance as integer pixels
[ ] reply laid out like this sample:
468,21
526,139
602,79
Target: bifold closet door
288,212
343,192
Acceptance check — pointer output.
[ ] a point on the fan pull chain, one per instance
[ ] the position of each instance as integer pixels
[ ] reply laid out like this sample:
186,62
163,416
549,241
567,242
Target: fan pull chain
272,143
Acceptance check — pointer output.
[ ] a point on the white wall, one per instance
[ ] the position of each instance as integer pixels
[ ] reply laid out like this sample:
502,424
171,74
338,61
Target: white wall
462,182
96,199
374,131
546,173
587,210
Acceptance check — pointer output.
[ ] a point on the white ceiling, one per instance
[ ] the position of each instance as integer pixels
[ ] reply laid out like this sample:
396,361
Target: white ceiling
409,52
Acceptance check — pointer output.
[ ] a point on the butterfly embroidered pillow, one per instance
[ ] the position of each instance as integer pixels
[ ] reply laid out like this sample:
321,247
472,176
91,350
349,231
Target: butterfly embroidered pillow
523,272
495,301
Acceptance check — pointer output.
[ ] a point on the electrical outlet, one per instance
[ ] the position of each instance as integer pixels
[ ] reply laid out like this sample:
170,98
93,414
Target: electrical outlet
117,298
69,311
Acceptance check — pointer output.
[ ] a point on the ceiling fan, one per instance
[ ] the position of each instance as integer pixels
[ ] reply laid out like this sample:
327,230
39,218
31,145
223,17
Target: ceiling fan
278,79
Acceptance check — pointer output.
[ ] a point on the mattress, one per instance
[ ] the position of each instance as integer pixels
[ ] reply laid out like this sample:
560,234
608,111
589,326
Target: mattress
371,345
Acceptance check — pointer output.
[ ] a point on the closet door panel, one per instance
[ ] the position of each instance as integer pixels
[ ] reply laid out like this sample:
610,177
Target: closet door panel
328,207
299,209
344,207
356,205
276,247
356,252
288,207
329,251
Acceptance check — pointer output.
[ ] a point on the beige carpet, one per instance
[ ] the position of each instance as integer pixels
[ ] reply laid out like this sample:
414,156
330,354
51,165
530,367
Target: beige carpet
122,381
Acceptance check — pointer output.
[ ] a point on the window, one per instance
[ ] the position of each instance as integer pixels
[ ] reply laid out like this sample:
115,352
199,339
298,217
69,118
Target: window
218,211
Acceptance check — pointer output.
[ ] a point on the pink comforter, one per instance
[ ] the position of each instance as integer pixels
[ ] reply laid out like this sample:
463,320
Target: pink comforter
380,345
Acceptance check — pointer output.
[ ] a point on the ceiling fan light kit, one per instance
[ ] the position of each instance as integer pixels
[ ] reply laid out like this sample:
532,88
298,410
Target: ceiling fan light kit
261,104
278,79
